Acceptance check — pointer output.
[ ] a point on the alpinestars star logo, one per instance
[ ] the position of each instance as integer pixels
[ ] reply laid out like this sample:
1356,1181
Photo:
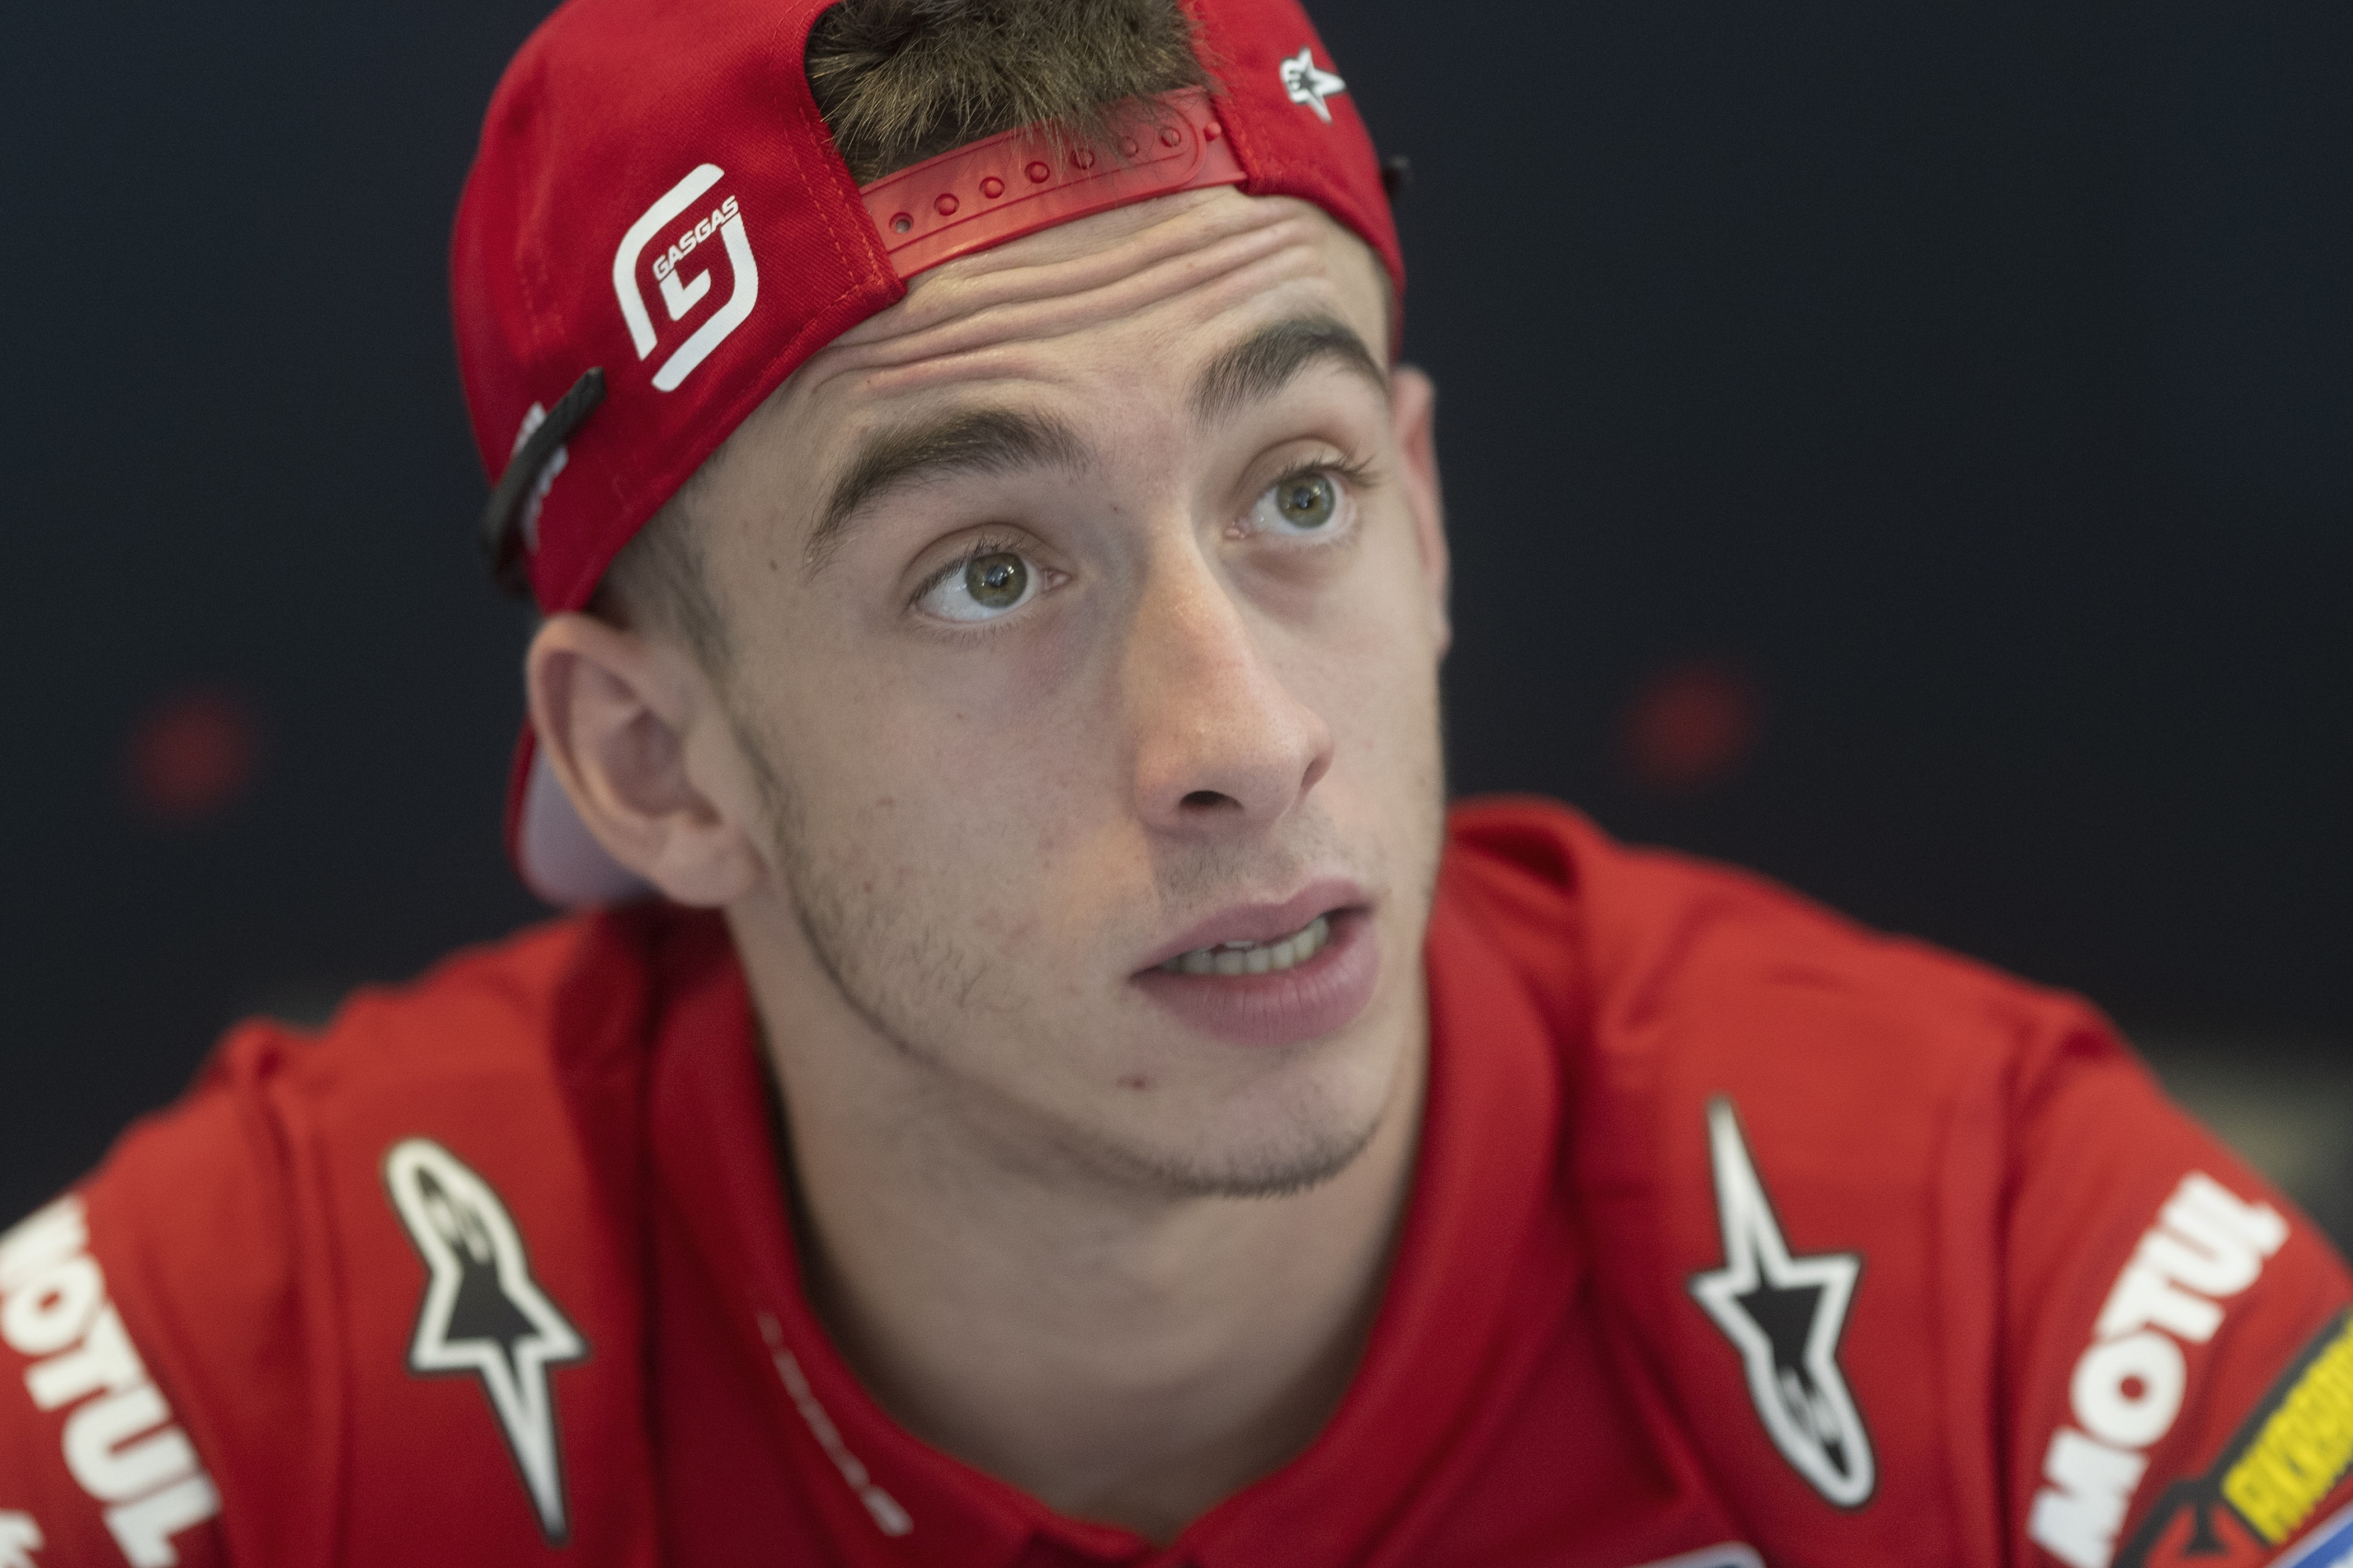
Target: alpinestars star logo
1307,85
1785,1315
483,1313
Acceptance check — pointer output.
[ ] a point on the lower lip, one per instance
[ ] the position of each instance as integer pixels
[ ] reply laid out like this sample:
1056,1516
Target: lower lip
1305,1001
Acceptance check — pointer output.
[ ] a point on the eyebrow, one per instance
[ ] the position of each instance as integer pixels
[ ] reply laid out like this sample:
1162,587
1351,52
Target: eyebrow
1267,361
1001,441
969,440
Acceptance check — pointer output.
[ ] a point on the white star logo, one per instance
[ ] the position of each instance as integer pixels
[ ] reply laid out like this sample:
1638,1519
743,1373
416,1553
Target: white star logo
19,1539
482,1312
1307,85
1785,1315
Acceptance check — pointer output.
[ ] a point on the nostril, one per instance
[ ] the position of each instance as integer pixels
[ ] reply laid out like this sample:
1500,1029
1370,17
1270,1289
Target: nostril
1202,800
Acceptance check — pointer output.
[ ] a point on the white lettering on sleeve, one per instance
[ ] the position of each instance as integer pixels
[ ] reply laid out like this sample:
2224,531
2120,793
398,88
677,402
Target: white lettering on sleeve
105,1360
40,1239
101,1452
53,1308
2146,1296
2258,1224
2076,1517
121,1445
19,1539
144,1528
2127,1392
2208,1245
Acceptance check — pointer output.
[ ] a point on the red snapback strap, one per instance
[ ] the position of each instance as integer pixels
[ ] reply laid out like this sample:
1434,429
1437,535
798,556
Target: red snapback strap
1021,181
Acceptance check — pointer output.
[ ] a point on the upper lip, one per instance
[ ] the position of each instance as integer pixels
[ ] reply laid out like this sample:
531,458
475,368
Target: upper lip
1264,922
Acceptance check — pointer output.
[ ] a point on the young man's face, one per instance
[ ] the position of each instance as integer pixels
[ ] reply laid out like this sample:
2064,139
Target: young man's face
1084,611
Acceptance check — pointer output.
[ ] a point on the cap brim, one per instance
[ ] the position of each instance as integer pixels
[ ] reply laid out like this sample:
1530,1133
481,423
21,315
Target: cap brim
559,858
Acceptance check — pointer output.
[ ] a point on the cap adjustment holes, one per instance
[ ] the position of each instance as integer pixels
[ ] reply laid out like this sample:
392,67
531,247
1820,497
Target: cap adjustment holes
903,222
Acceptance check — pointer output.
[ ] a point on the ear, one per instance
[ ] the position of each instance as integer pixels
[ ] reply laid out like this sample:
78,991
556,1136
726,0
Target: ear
634,732
1413,413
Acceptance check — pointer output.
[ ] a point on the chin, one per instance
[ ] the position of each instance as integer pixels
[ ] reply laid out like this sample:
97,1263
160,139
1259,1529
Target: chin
1267,1141
1275,1170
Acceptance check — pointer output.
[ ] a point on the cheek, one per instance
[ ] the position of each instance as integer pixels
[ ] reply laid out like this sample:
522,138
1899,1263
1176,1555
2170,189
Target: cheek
1376,649
1380,698
962,783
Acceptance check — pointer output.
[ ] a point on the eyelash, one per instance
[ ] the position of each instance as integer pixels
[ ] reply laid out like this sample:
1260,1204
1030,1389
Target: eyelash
984,545
1356,476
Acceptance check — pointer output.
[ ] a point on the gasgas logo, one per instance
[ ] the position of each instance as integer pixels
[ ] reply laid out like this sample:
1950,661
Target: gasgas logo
683,226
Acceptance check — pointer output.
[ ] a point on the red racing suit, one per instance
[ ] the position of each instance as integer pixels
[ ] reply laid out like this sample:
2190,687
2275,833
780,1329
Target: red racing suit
1739,1236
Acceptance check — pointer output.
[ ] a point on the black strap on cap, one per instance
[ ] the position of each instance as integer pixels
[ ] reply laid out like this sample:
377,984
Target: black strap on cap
502,537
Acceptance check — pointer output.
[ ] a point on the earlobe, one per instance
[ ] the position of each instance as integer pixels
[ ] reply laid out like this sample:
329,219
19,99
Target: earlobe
616,717
1413,402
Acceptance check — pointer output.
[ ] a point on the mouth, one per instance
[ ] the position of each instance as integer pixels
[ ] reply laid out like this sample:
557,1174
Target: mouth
1274,974
1224,943
1255,958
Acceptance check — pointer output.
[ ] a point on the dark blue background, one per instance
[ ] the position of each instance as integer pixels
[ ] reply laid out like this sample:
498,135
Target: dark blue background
1974,381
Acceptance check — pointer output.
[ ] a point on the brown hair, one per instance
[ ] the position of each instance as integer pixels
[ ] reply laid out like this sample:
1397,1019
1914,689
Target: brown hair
902,81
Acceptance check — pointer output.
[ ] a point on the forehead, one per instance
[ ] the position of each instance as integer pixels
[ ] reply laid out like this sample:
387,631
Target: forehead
1145,295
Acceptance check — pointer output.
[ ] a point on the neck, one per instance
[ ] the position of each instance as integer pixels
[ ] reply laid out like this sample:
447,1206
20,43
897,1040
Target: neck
1122,1353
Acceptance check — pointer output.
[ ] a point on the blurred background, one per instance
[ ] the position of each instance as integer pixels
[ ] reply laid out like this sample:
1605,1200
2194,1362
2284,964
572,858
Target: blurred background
1904,448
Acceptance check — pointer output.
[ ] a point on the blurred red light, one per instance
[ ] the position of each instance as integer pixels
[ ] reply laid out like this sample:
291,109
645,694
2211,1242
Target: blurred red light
1692,726
193,757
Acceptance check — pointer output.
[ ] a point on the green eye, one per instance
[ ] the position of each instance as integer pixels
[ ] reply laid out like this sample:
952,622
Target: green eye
1307,501
997,581
993,582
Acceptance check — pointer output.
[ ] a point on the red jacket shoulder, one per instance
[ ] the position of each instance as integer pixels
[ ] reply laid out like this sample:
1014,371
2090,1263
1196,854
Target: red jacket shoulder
1867,1208
253,1241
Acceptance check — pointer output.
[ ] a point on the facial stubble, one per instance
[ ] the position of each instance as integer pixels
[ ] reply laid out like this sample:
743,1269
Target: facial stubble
873,953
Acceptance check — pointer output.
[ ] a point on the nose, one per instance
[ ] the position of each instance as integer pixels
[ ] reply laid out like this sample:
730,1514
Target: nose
1222,745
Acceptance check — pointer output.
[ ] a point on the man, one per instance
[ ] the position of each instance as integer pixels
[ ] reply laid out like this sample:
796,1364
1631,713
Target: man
1076,1098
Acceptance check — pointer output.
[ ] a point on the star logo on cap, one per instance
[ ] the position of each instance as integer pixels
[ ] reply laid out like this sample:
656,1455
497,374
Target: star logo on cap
1310,86
1785,1315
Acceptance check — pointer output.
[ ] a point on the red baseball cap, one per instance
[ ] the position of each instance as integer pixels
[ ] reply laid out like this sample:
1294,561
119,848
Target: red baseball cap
658,231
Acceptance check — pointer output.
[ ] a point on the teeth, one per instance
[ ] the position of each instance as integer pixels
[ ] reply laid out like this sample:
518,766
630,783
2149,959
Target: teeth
1255,958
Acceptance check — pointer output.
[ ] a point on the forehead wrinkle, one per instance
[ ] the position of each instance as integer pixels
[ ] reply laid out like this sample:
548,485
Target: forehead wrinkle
1268,359
1027,348
962,440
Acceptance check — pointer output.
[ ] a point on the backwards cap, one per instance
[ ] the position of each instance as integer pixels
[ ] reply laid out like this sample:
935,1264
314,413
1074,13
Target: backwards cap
658,231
